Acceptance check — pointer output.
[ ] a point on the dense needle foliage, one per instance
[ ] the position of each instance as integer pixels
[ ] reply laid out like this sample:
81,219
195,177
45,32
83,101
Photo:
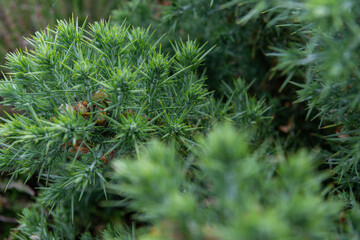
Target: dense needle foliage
327,76
93,97
233,192
88,95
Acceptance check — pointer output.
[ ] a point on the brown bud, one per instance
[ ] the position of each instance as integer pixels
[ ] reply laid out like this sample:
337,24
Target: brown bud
82,150
108,157
99,95
81,107
100,119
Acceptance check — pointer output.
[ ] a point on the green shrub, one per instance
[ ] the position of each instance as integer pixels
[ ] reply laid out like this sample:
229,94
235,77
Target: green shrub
88,95
331,87
92,94
328,63
228,191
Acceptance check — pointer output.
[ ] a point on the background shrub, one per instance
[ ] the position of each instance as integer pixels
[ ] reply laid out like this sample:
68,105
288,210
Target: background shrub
233,192
327,63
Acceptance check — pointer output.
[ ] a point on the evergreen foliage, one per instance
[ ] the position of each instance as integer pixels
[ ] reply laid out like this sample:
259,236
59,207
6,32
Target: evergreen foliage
226,191
327,63
197,195
92,98
91,95
88,95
